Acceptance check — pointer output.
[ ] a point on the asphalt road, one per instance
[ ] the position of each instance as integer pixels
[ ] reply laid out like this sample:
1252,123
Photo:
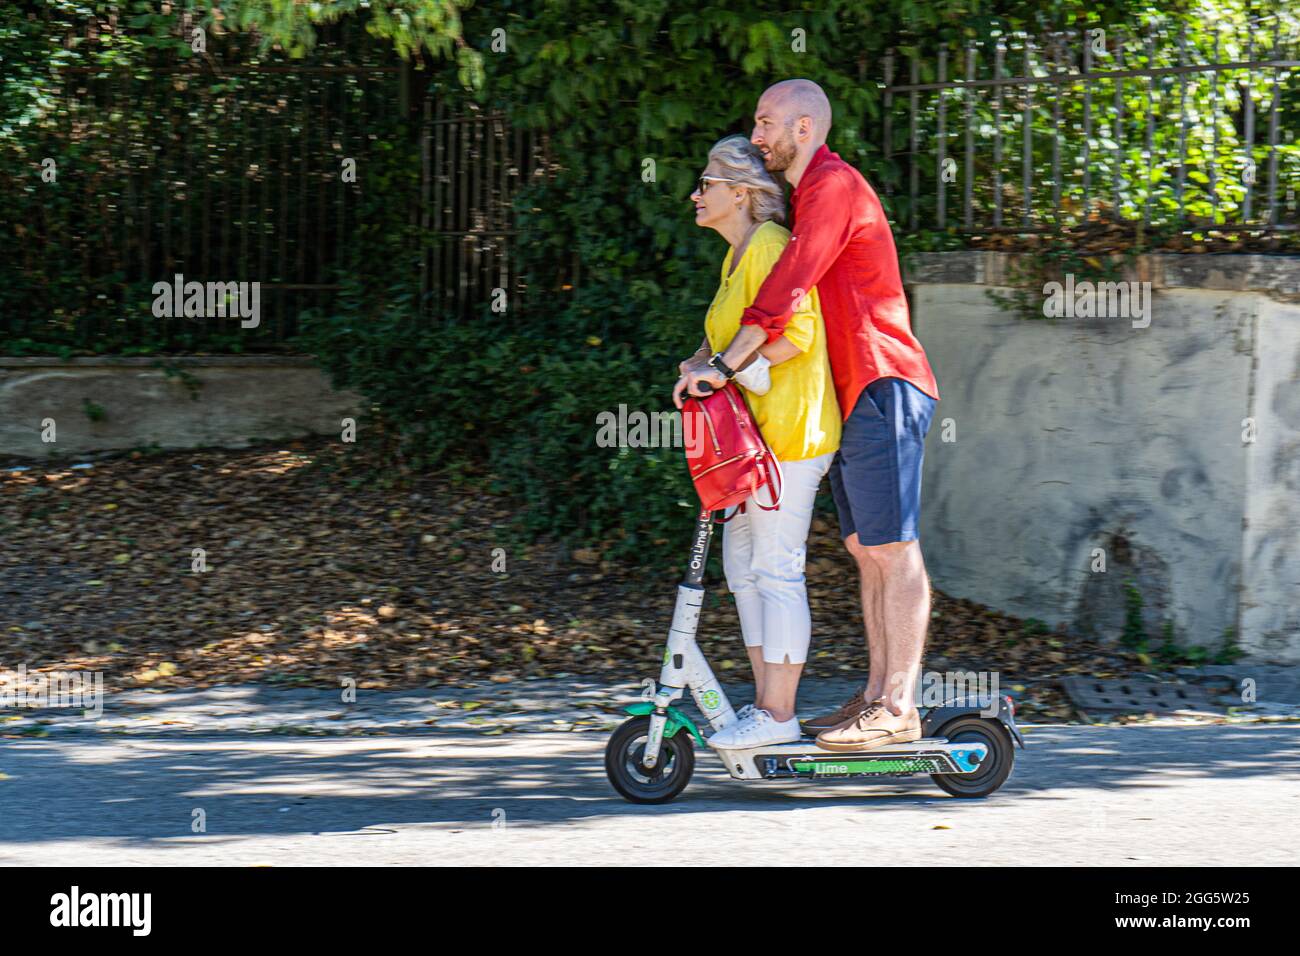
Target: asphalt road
1099,796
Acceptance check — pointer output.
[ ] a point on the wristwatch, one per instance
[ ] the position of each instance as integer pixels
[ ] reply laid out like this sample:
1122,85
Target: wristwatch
722,367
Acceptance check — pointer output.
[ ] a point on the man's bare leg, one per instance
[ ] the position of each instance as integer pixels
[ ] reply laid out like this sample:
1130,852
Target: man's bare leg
872,591
904,596
905,607
873,617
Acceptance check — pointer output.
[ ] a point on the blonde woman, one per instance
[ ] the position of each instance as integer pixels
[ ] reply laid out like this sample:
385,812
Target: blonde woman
790,391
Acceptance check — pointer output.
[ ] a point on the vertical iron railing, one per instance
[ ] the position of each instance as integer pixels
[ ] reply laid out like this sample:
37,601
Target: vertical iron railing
1186,155
473,165
230,170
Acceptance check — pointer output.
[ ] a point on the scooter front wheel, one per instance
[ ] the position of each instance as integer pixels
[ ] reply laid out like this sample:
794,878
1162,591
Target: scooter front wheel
633,779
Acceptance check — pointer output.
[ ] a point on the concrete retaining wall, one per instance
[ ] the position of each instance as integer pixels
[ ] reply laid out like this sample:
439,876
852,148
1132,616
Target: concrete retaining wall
240,400
1072,441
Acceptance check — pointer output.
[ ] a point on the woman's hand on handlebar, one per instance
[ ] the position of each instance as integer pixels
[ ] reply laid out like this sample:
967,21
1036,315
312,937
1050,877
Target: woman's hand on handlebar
690,382
678,390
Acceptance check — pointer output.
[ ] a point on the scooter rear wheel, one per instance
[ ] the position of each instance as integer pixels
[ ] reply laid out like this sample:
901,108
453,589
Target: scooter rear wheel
638,783
995,769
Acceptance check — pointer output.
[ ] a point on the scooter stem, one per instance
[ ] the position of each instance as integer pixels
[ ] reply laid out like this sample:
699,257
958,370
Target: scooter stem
684,667
699,549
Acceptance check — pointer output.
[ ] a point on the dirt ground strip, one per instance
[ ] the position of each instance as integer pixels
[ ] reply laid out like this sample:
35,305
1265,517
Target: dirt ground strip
314,571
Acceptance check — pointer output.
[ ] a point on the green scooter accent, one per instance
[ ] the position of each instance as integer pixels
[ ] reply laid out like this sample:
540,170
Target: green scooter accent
676,719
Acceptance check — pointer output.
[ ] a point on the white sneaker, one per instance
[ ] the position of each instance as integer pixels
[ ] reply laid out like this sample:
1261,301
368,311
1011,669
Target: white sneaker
759,729
745,712
723,737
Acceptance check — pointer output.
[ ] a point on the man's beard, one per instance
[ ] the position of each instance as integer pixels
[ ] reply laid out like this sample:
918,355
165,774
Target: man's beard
782,153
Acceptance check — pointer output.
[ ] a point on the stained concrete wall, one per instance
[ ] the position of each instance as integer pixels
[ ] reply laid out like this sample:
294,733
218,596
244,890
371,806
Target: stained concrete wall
1073,435
1270,599
240,400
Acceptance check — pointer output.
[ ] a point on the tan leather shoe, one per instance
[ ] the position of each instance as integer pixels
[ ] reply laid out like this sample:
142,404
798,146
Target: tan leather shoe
874,727
847,711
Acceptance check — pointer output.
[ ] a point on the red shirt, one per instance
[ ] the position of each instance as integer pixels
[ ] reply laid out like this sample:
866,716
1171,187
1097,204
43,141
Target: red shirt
842,245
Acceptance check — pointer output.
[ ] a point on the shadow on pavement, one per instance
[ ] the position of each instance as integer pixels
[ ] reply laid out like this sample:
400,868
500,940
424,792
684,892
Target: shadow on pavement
72,786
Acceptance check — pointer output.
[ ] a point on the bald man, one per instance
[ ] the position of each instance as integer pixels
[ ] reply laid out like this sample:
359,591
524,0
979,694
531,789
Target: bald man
843,246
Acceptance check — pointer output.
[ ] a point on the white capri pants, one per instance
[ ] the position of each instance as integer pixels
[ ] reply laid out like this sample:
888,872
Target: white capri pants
763,555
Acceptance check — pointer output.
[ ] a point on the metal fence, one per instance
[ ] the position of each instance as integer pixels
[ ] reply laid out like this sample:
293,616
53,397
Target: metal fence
232,171
472,166
235,183
1193,156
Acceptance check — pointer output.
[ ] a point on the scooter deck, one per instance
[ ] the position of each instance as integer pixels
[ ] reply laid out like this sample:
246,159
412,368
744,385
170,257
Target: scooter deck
803,758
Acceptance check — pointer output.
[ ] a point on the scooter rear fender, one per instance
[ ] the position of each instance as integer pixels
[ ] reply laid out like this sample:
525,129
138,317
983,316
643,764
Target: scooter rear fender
936,717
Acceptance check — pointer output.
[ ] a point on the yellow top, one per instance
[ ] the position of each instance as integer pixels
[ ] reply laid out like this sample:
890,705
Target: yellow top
799,416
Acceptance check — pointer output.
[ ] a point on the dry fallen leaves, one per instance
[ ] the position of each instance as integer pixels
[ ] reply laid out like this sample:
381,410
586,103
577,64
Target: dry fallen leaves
314,574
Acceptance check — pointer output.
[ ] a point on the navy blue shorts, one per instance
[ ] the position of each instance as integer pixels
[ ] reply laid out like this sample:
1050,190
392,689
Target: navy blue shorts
876,474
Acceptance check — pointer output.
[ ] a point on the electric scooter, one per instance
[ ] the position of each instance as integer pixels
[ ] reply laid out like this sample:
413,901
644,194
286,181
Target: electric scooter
650,757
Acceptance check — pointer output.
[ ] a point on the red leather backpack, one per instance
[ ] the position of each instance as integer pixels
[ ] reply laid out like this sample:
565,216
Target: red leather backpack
727,456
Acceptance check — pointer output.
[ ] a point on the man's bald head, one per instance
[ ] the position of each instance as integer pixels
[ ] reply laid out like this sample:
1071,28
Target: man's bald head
791,122
795,99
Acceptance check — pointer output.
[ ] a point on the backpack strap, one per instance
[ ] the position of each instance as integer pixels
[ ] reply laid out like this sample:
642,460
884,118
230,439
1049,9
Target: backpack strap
740,509
770,462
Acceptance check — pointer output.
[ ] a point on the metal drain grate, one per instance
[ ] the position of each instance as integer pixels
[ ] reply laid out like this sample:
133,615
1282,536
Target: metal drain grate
1140,696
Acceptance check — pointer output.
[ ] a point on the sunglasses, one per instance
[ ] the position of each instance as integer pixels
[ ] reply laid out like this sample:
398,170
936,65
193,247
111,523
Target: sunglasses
703,185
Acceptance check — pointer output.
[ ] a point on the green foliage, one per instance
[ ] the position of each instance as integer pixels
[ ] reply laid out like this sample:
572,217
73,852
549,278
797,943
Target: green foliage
1033,627
191,381
1230,651
1029,271
413,27
1135,633
618,276
1170,653
131,157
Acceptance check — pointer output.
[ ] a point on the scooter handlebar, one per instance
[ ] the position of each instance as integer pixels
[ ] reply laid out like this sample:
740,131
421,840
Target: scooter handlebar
705,387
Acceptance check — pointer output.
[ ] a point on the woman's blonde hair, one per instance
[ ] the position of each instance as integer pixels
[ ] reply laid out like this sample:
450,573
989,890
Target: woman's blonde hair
741,160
